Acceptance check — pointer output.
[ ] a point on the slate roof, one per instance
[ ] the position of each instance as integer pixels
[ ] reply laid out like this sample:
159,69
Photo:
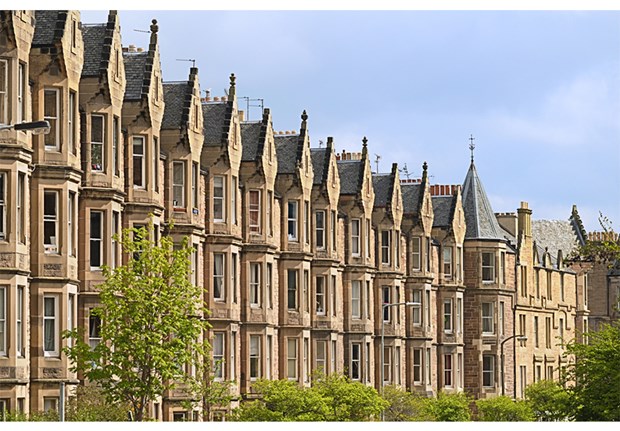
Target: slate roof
443,210
320,158
554,235
46,22
287,152
135,63
93,36
479,216
382,185
411,197
174,97
250,138
350,173
215,122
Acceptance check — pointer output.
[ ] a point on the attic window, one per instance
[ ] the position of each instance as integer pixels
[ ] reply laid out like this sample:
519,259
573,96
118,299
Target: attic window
73,33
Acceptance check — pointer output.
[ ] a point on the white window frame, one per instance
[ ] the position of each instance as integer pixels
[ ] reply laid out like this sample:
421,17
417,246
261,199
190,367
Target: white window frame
307,222
116,217
387,365
178,184
488,371
96,242
255,357
386,296
356,359
459,315
219,199
115,142
448,370
53,246
334,226
386,246
70,316
21,207
292,224
255,284
52,322
52,139
447,263
291,358
219,268
418,378
96,143
356,299
71,122
254,211
94,330
70,223
321,355
3,209
490,267
416,253
448,324
416,312
138,159
320,295
233,199
19,320
319,229
292,285
21,86
195,173
219,342
368,231
3,325
355,237
155,164
488,318
4,93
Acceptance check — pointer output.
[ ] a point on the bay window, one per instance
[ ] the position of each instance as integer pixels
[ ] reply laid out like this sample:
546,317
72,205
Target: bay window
219,194
96,239
178,184
292,220
50,221
50,326
138,162
51,113
254,209
97,139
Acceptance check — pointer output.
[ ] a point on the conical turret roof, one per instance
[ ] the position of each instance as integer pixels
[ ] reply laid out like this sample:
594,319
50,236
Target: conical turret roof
479,216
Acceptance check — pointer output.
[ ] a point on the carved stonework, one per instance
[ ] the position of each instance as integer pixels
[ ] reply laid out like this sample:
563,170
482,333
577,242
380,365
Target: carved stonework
7,260
53,373
7,372
52,269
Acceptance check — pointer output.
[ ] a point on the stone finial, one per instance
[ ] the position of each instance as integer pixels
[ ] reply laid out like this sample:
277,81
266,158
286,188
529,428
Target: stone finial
364,142
424,171
304,116
232,89
154,26
232,79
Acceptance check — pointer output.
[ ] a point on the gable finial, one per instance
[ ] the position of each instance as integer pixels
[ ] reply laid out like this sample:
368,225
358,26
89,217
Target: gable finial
424,171
472,146
232,79
154,26
304,116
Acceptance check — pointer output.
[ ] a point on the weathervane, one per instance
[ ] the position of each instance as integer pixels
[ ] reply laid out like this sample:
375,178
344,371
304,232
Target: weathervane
472,146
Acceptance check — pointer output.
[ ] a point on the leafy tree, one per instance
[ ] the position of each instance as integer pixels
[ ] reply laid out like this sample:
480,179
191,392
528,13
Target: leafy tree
549,401
150,324
595,393
503,409
404,406
331,398
90,405
606,251
448,408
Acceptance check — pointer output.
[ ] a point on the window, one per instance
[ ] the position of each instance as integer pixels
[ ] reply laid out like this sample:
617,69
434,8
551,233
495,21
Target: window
488,321
193,257
268,357
355,299
254,211
218,355
155,166
428,254
355,361
536,331
291,358
70,308
415,254
428,365
386,292
19,327
333,357
538,376
3,187
218,277
50,325
562,287
115,231
355,237
368,231
233,199
427,309
549,289
219,193
502,267
537,278
307,222
306,360
367,367
397,257
3,331
178,184
417,308
417,366
21,86
320,295
488,267
501,318
292,220
447,263
523,281
255,368
459,260
50,404
94,330
523,379
332,293
549,372
447,315
319,229
96,239
320,355
194,185
255,292
488,371
71,122
459,315
97,139
561,328
385,247
50,221
4,92
138,162
233,277
269,285
387,365
71,223
292,289
334,230
21,211
270,211
522,329
306,290
367,309
51,113
447,371
548,332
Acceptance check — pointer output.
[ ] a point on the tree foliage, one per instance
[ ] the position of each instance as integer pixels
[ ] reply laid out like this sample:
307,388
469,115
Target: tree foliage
404,406
330,398
90,405
549,401
605,251
595,391
503,409
448,407
151,324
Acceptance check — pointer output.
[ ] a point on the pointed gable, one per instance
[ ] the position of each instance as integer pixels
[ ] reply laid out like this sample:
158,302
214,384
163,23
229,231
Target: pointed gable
49,27
479,216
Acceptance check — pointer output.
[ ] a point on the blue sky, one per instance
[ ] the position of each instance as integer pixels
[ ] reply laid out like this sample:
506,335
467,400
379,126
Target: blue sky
539,90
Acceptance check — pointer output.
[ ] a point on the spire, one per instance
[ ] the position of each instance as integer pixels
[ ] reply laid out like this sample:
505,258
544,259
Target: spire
472,146
479,216
231,90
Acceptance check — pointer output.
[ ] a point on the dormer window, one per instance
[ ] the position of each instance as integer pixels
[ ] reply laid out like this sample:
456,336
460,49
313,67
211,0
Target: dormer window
178,184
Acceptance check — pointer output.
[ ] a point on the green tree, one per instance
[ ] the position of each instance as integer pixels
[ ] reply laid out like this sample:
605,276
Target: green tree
405,406
151,324
503,409
595,375
448,408
549,401
606,251
90,405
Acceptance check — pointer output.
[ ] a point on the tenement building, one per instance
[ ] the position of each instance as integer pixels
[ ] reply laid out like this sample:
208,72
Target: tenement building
308,260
